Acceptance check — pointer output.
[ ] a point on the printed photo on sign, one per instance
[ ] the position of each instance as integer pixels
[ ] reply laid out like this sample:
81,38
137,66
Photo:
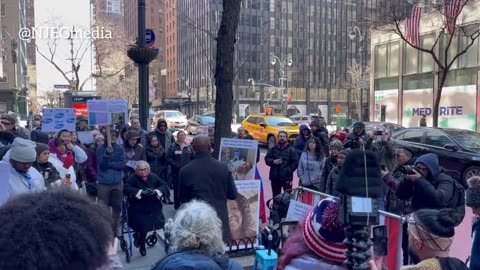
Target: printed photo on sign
240,157
104,112
243,213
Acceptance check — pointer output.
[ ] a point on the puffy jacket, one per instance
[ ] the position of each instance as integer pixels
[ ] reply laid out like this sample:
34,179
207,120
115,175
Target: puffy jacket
433,191
300,140
310,169
195,261
331,185
282,172
110,165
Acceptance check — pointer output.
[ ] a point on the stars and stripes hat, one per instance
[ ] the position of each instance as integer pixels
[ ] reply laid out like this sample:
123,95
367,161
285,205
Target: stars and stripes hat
324,233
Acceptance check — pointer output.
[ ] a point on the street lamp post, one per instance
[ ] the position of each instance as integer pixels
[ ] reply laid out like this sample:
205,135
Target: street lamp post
283,65
353,36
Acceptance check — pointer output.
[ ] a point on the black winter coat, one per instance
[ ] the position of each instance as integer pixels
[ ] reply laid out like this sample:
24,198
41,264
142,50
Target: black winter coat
39,136
178,157
145,213
330,163
157,159
209,180
434,193
282,172
332,180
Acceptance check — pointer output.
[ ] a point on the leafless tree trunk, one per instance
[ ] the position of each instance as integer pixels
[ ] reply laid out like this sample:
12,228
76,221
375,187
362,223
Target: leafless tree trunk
224,71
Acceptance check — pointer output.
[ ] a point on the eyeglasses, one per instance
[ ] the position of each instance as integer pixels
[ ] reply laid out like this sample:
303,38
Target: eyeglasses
37,119
421,168
6,123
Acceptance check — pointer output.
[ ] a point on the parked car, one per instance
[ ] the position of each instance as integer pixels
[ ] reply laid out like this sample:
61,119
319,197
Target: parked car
264,128
303,118
369,126
212,114
457,149
199,122
135,113
175,119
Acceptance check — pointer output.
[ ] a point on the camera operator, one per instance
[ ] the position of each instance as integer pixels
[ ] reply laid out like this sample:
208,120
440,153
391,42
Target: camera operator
426,184
382,147
358,138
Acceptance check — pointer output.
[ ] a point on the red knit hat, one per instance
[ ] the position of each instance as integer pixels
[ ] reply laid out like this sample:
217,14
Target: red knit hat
323,232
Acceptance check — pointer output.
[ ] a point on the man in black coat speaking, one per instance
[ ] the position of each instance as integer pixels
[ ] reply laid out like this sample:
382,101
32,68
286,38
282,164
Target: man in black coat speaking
209,180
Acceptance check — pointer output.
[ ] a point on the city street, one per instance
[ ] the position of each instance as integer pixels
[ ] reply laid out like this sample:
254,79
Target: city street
459,247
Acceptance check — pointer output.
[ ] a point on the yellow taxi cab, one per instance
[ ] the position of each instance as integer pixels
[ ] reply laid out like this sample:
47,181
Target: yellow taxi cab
265,127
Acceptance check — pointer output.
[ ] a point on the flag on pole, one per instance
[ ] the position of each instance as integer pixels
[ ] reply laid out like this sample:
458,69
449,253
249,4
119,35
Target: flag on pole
451,9
394,260
412,24
262,210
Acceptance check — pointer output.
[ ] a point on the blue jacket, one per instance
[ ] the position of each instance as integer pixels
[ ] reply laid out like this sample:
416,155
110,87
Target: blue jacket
300,140
110,166
195,261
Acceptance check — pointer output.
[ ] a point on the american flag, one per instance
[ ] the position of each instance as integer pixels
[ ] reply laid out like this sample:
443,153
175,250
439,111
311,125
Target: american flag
412,24
451,9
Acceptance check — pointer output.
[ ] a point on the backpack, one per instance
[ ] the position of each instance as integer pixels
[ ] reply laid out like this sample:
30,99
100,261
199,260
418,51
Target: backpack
279,207
457,201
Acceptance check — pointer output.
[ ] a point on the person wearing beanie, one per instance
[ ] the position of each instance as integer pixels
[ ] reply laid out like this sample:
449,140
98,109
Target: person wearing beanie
335,147
134,151
358,138
428,186
318,245
49,172
473,201
332,179
319,130
23,177
431,233
82,123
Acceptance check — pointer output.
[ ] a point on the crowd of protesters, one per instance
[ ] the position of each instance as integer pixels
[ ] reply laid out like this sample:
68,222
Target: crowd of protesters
151,168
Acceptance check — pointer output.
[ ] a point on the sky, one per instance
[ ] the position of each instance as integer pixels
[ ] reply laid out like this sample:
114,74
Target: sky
63,13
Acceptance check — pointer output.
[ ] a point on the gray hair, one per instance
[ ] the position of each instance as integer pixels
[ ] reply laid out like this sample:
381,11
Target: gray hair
197,227
140,163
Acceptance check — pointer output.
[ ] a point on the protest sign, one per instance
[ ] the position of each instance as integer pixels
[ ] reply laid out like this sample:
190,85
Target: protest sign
243,213
240,157
56,119
104,112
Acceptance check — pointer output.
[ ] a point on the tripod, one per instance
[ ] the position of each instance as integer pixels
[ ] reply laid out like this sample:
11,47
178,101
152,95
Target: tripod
357,242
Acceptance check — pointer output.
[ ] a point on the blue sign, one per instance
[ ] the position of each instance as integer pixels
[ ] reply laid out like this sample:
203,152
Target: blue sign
149,38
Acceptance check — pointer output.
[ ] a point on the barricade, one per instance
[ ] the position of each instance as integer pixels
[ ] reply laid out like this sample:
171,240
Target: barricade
392,222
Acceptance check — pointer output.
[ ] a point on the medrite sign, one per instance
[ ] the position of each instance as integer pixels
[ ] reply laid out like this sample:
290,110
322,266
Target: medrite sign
443,111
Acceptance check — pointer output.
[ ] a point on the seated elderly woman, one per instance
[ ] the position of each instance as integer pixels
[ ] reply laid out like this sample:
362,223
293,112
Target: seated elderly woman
56,229
196,240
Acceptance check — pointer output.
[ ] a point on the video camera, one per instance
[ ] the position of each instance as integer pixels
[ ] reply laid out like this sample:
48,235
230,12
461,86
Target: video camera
378,133
408,169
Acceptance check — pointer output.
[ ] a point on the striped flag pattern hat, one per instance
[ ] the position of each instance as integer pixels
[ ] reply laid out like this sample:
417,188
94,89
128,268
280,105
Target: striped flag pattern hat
324,233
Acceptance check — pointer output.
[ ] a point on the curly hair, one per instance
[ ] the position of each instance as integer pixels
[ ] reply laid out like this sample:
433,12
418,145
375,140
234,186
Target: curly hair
197,227
55,229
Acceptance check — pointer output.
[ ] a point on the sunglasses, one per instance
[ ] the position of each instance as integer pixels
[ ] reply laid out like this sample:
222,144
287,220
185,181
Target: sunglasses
6,123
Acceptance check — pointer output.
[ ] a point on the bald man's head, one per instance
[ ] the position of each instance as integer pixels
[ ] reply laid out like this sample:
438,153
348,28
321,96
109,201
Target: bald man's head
201,143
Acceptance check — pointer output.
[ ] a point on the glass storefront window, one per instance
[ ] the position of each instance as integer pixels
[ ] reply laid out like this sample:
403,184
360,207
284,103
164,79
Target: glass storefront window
411,60
381,61
318,94
427,63
393,59
418,81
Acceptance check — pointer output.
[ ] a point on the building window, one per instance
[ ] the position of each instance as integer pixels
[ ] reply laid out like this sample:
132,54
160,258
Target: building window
3,11
411,60
426,59
381,61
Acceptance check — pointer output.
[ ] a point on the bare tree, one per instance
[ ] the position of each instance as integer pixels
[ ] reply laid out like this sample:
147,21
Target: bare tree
224,71
352,82
443,51
52,98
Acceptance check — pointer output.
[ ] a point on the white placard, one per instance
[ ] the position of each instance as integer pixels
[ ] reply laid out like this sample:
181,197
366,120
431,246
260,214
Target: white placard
245,210
85,137
297,211
240,155
56,119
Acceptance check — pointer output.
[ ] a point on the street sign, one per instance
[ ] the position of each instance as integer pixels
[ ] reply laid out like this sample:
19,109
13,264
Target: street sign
61,86
149,38
363,83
